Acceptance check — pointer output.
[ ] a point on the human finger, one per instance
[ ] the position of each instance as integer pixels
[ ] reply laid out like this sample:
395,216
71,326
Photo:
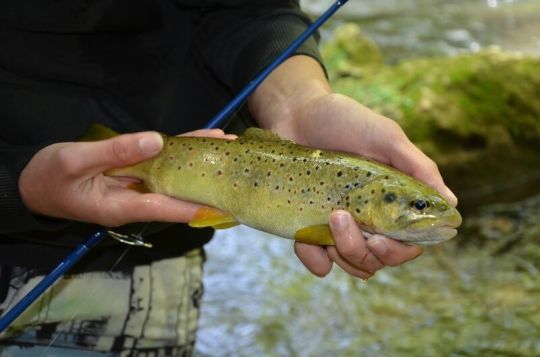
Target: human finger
351,252
314,258
88,158
391,252
405,156
126,206
210,133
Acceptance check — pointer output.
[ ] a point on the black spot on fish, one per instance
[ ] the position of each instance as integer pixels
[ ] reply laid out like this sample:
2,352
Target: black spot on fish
321,183
171,143
368,174
358,210
227,153
277,187
339,174
219,172
386,177
366,202
246,171
255,184
268,174
372,191
383,190
281,165
390,197
190,148
179,168
308,172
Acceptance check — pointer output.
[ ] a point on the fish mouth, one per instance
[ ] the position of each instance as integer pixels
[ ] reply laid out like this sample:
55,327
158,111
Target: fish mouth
430,230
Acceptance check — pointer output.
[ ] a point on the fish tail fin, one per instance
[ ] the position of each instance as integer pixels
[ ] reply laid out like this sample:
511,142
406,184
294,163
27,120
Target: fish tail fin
97,132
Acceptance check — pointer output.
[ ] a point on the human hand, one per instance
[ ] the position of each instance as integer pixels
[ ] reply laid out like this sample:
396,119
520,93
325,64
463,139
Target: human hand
65,180
296,102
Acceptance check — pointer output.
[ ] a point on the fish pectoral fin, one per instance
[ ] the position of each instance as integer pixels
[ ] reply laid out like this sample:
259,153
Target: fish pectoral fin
213,217
319,234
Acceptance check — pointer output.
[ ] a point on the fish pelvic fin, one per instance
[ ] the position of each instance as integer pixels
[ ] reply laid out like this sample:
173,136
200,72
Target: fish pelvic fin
319,234
212,217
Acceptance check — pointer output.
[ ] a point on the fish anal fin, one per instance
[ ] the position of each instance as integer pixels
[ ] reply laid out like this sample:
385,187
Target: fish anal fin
226,225
212,217
319,234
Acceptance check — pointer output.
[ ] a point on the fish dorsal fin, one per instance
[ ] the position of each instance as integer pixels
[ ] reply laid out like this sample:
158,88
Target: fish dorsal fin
97,132
262,135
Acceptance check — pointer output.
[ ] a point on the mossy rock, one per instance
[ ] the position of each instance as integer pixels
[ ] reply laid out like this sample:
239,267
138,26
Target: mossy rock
476,114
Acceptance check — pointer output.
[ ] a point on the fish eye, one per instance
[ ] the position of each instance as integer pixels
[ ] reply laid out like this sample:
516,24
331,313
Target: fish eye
390,197
419,204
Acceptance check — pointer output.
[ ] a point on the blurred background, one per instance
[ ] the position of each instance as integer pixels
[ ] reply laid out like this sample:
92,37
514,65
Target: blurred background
462,78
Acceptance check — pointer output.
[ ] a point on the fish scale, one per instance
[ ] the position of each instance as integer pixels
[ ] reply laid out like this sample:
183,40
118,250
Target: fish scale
278,186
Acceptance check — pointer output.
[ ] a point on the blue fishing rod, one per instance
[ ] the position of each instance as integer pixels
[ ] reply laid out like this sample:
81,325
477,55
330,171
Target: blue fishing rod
96,237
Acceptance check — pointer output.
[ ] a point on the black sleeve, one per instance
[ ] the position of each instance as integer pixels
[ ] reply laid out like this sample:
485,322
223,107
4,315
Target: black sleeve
237,41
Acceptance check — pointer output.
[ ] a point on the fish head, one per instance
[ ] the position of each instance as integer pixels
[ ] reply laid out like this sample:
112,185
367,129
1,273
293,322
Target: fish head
404,209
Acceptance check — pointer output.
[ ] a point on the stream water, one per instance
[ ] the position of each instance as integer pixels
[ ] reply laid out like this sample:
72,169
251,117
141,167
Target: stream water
457,299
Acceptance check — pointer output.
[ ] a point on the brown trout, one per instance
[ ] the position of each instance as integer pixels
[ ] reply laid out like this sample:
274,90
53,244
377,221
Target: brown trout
277,186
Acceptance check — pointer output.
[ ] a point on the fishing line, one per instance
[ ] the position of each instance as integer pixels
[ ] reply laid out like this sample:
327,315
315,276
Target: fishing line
65,265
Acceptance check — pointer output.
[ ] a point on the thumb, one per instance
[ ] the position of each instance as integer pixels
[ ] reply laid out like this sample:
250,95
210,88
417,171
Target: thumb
120,151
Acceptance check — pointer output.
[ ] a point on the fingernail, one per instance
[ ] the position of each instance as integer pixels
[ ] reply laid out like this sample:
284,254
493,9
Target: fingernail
151,143
377,245
339,221
453,198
